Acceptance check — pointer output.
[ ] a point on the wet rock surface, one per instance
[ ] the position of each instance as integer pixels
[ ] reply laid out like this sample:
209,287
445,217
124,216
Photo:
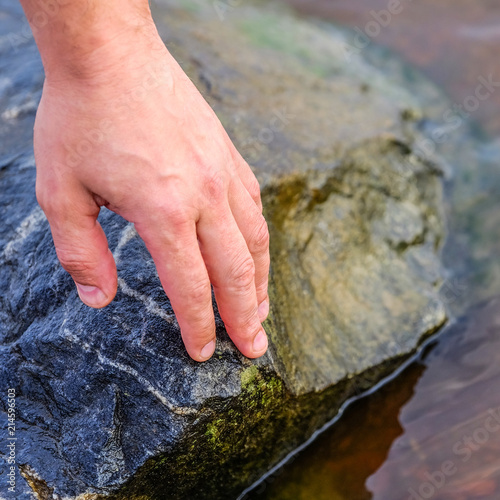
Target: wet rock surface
108,402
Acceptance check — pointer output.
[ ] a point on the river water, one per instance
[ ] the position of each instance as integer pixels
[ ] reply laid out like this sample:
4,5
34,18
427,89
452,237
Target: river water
434,431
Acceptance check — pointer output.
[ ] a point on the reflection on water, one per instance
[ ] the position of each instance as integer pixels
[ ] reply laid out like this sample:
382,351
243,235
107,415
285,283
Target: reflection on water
434,432
451,441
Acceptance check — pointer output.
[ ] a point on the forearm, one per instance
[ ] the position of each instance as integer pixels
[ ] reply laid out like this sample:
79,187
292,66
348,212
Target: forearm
77,38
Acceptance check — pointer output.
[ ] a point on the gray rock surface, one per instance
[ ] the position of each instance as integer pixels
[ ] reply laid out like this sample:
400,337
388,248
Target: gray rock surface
108,403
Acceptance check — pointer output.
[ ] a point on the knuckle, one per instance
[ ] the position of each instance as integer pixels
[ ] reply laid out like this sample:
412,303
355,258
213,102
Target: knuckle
41,197
246,326
199,294
167,203
50,204
77,265
175,213
243,274
203,327
262,287
200,316
216,185
259,242
179,219
254,189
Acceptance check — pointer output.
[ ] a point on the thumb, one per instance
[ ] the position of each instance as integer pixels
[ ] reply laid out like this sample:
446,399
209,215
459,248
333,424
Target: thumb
81,245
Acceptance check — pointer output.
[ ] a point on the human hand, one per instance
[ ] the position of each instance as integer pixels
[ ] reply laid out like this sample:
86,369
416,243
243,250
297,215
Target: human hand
134,134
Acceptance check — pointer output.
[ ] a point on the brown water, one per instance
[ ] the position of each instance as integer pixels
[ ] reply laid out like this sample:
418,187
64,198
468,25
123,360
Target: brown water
434,431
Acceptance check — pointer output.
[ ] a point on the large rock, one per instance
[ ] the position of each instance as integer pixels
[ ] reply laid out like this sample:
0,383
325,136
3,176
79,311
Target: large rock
108,403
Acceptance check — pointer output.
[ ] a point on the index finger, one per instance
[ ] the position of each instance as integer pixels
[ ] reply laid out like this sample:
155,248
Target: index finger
172,242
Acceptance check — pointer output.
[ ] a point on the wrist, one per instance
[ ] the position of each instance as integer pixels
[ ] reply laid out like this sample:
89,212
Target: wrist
89,40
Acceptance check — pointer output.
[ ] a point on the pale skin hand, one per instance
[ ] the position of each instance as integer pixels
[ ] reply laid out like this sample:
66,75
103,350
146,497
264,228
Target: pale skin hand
152,150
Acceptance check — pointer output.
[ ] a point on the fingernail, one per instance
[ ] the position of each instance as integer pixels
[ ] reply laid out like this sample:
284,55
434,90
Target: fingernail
208,350
263,311
91,295
260,342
